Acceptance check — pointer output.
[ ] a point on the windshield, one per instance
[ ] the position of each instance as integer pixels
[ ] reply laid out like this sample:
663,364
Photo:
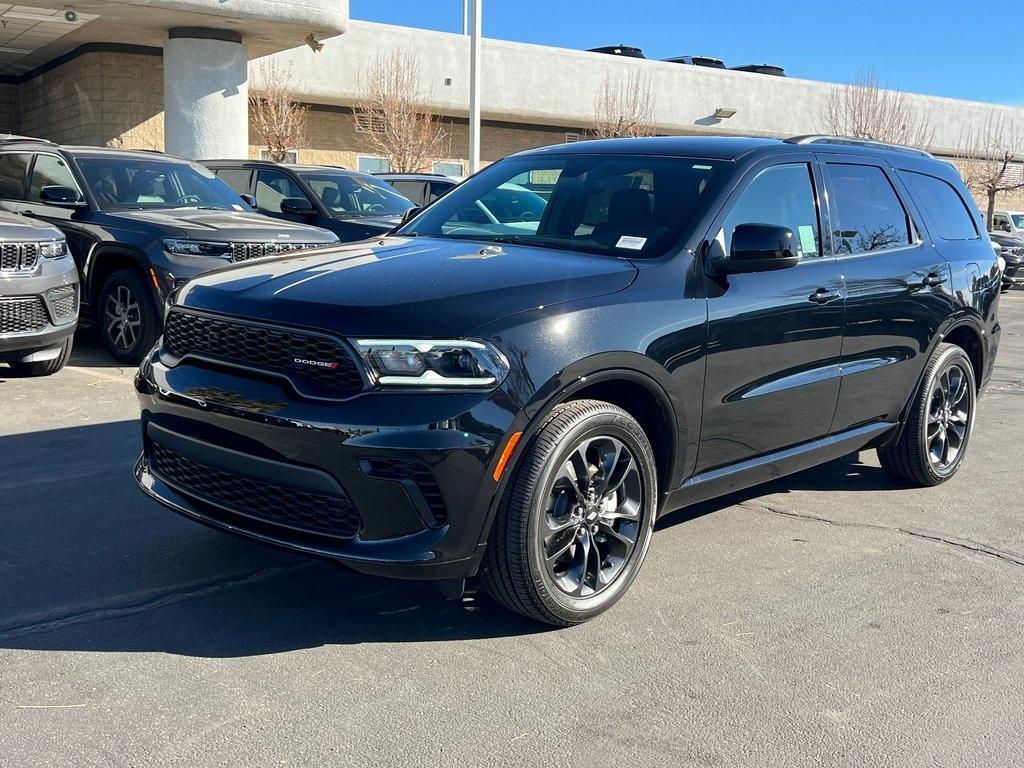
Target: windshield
1018,220
349,196
635,206
119,182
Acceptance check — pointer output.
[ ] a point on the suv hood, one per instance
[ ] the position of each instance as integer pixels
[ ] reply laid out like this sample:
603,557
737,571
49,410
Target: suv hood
18,228
202,224
405,286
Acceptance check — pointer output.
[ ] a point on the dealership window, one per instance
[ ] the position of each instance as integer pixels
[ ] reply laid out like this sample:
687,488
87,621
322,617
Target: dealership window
449,168
370,164
571,137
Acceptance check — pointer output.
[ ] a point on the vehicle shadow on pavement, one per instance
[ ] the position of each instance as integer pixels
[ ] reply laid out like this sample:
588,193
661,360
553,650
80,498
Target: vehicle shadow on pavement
87,563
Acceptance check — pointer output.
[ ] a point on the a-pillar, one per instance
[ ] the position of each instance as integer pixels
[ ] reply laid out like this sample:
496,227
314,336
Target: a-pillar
206,94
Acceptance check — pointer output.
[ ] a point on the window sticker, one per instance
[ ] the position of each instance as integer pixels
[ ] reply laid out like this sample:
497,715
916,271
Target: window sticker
807,241
631,243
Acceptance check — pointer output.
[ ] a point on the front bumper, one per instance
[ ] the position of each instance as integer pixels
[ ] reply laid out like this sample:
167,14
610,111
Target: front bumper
38,310
393,484
1013,274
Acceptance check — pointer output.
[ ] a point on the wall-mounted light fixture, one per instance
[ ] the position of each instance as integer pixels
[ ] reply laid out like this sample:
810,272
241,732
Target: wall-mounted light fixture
724,113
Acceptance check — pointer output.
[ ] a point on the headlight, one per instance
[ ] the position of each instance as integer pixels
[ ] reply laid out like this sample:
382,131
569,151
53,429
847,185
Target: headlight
53,249
198,248
433,363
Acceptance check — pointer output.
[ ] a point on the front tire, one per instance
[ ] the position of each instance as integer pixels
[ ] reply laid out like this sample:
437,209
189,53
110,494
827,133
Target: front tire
127,316
575,524
46,367
934,441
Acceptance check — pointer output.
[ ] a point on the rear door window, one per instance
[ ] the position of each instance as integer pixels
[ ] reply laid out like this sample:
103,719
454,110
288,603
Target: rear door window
868,214
943,207
13,170
783,196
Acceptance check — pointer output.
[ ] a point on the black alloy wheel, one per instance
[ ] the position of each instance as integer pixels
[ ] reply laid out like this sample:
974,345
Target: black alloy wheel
576,518
127,317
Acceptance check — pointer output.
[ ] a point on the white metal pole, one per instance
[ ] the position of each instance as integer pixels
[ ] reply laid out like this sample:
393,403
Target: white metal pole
476,27
465,17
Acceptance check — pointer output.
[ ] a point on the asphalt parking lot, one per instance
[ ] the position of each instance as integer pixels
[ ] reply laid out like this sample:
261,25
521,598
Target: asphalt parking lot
828,619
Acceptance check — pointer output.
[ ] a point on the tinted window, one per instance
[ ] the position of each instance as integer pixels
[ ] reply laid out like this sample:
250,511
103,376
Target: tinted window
50,171
119,182
945,210
868,214
621,205
438,188
413,190
782,196
274,186
347,195
13,169
236,178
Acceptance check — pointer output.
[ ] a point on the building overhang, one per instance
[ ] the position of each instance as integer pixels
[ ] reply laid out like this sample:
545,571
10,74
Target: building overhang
43,31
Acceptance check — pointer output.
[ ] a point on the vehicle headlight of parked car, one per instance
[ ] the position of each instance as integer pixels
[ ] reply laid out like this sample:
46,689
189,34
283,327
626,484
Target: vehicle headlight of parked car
433,363
54,249
206,248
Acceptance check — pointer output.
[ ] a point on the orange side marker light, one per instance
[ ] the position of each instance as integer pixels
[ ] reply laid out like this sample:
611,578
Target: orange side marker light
506,455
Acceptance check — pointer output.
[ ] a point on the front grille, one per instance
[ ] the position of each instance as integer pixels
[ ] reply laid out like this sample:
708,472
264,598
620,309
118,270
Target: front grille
269,348
402,470
22,314
18,257
246,251
260,499
64,301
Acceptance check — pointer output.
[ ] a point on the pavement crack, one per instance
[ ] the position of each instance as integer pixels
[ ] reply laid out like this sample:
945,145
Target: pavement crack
969,546
138,602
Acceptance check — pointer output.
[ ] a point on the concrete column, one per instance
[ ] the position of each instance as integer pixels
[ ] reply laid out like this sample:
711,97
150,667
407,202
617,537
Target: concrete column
206,94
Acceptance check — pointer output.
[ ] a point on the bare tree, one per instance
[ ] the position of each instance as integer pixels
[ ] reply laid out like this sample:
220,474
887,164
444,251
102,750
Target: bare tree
394,118
864,108
624,108
278,119
990,159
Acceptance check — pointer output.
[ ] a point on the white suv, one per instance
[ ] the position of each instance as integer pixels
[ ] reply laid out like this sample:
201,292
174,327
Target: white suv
1011,222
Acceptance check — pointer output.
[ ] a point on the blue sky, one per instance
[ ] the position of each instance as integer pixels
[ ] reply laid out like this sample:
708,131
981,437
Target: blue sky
926,46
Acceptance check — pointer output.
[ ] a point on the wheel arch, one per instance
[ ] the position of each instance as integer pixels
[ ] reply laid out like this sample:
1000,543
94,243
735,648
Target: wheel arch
105,260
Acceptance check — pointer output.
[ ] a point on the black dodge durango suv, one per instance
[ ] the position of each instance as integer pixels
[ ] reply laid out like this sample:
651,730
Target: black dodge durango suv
137,223
522,399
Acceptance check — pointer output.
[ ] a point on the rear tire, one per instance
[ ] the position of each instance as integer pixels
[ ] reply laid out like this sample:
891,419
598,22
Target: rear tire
934,441
46,367
576,519
127,316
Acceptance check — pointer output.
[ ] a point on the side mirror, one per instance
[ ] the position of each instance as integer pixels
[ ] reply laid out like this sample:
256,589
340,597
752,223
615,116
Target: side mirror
409,215
762,248
299,206
62,196
249,200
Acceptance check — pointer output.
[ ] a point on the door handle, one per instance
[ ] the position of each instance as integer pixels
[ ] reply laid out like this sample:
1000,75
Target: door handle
823,296
934,279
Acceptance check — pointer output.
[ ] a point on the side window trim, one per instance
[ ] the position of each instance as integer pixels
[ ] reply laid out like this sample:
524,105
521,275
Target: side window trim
967,208
910,210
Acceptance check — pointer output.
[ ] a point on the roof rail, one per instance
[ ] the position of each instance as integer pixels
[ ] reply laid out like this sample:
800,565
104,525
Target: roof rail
853,141
13,138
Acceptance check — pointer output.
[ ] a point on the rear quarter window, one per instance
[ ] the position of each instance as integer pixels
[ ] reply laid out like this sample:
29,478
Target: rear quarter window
945,211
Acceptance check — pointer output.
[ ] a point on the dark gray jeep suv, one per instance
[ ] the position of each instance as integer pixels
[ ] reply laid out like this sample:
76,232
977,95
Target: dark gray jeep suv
38,296
138,223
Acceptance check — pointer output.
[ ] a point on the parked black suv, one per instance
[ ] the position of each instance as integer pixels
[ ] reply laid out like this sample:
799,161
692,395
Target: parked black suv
522,399
1012,251
137,223
354,206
